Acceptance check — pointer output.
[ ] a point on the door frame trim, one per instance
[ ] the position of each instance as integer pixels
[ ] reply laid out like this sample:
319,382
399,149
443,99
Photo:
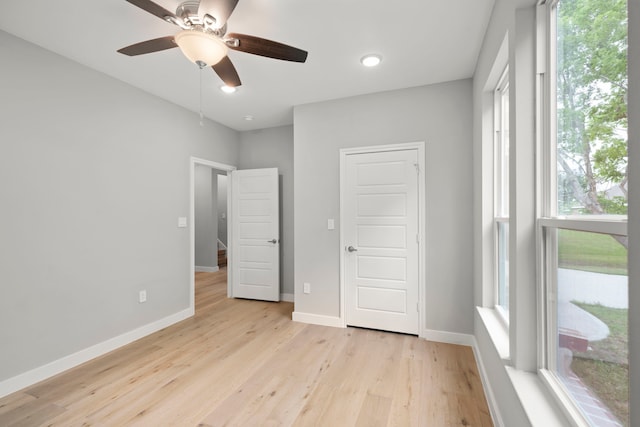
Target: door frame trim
420,147
193,161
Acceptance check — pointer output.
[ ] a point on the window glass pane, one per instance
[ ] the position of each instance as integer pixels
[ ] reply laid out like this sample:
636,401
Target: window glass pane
592,161
504,152
592,325
503,265
501,115
501,111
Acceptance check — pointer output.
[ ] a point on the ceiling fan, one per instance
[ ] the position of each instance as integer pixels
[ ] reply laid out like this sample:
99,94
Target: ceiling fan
204,39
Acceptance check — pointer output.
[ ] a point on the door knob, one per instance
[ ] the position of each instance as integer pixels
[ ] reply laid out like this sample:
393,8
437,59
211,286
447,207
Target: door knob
352,249
274,241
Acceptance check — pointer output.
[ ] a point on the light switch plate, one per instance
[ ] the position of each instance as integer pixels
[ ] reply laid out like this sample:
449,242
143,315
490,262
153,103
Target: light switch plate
331,224
182,222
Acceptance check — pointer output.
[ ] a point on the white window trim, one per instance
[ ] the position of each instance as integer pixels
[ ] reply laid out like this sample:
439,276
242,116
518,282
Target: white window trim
616,226
485,244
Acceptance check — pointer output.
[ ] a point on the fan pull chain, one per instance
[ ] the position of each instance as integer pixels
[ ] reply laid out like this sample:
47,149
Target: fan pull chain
201,115
201,65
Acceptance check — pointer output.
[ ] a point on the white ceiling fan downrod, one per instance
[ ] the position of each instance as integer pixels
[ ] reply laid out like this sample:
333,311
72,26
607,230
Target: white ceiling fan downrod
201,65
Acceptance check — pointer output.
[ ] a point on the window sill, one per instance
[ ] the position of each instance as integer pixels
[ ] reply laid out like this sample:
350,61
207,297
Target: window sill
498,331
538,403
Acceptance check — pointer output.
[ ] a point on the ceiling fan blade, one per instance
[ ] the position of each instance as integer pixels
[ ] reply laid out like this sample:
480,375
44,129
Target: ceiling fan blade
219,9
227,72
149,46
268,48
155,9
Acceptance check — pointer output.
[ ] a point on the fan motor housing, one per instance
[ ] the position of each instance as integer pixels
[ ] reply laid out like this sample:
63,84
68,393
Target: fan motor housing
188,9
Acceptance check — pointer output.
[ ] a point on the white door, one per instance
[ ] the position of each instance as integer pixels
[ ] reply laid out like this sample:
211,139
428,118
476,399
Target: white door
255,237
381,266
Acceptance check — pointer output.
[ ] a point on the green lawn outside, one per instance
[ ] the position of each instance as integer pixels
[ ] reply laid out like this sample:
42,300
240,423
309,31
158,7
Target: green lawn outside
605,366
599,253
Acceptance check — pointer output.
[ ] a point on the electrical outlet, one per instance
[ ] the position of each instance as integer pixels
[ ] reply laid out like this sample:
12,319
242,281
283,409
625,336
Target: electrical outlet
306,288
142,296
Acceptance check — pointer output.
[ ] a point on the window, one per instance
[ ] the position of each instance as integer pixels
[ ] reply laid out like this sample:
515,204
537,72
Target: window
501,193
583,229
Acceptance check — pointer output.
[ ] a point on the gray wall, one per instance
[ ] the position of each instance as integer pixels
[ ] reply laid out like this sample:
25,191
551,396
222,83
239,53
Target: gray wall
205,213
441,116
273,148
93,176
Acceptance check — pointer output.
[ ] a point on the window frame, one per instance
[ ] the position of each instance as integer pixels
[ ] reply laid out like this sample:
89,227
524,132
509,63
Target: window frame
549,222
500,202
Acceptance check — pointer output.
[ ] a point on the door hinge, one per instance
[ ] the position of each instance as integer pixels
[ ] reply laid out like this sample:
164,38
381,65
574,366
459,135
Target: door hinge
418,307
417,167
417,238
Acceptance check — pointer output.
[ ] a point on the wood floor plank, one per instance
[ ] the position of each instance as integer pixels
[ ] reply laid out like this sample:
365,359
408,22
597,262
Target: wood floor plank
188,369
387,371
348,378
310,349
89,377
405,409
245,363
231,370
13,401
34,413
374,411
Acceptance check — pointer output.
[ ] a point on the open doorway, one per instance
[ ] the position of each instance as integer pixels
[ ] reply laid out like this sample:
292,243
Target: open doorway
210,219
209,231
222,214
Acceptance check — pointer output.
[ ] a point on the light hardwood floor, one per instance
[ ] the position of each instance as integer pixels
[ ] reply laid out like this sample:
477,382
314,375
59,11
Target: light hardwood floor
245,363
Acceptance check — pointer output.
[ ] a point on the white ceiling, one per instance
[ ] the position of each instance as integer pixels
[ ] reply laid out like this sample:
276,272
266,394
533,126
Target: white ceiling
421,41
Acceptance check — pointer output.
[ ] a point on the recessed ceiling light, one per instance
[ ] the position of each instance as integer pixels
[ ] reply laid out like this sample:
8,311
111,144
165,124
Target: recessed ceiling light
371,60
248,118
227,89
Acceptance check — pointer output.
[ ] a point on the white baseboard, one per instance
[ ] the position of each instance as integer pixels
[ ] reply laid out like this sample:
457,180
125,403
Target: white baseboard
33,376
317,319
486,386
286,297
449,337
199,269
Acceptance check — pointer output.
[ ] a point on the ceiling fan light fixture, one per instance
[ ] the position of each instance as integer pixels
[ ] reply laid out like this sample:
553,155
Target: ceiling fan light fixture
371,60
199,46
228,89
